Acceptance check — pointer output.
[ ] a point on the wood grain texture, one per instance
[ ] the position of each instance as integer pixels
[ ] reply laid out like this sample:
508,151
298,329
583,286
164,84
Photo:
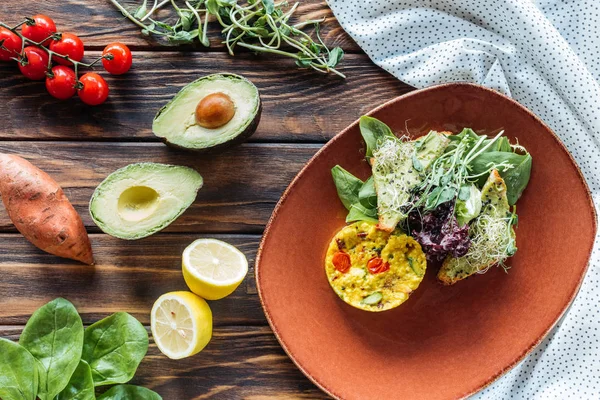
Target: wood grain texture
298,105
241,185
128,276
241,362
98,22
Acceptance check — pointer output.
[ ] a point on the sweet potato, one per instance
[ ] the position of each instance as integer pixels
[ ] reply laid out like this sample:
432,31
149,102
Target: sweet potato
38,207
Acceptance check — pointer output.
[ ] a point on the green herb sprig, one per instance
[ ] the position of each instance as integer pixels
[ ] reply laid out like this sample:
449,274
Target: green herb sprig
259,25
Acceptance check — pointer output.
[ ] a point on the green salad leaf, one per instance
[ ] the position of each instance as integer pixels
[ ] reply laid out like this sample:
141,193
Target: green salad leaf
129,392
516,178
81,385
373,132
468,204
114,348
348,186
54,336
358,212
18,372
367,194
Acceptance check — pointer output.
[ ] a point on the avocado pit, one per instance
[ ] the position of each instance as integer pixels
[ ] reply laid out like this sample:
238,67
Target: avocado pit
215,110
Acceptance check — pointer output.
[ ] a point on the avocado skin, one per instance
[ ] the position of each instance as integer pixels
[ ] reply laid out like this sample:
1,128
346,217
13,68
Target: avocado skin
239,139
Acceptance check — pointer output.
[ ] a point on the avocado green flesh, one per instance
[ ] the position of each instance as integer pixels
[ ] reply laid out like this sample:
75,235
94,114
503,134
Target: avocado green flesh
141,199
395,175
176,122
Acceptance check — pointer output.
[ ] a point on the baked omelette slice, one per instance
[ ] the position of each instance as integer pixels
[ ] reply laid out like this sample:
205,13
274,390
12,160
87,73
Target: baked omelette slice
492,235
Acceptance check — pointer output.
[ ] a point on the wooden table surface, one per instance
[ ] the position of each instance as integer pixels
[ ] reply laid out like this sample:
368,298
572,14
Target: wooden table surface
79,146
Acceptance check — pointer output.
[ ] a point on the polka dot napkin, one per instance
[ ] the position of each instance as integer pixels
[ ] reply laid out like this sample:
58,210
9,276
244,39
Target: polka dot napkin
545,54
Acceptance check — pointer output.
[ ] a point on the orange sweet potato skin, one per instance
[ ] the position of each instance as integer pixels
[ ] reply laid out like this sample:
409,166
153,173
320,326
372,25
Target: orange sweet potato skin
38,207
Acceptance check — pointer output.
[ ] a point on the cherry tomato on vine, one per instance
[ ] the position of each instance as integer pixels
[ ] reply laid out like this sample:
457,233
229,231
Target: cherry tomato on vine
41,28
61,82
11,44
35,63
121,58
68,45
94,90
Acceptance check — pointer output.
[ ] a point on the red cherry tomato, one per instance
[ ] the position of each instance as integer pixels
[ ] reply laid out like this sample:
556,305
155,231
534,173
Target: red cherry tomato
68,45
120,61
61,83
95,89
341,261
35,63
377,266
41,28
11,44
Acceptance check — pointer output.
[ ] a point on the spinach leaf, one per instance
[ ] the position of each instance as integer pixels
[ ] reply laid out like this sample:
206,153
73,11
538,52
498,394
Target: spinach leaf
18,372
54,336
373,132
212,6
81,385
114,348
516,178
367,194
358,212
347,185
129,392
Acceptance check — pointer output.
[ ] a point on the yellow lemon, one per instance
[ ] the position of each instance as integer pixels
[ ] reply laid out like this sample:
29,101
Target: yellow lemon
181,324
213,269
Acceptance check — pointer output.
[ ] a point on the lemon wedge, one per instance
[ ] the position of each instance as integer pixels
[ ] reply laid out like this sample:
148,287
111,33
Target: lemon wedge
213,269
181,324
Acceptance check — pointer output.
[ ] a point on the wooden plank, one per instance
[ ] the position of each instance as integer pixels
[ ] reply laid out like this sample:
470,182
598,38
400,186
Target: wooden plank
128,276
98,22
298,105
241,185
239,362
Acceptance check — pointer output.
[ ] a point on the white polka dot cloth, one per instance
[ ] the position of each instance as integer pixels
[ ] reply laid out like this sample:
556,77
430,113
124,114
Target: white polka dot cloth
546,55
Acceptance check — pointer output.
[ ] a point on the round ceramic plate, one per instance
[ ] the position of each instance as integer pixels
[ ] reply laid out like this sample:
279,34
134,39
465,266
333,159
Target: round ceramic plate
444,342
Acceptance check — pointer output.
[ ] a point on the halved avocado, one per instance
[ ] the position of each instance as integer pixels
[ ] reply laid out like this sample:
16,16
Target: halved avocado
141,199
211,113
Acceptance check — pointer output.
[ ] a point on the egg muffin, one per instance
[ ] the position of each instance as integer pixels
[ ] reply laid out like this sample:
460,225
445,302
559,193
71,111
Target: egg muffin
372,269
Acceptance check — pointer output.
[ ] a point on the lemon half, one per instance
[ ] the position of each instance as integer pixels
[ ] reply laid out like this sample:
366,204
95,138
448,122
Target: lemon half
181,324
213,269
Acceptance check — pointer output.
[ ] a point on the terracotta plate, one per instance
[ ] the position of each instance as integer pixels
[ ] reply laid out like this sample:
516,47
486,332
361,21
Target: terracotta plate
444,342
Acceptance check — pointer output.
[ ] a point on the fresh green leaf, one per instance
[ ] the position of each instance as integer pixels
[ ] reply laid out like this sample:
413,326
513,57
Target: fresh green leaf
373,299
335,57
18,372
439,195
129,392
516,178
114,348
187,19
303,63
373,132
163,25
183,37
54,336
141,11
212,6
81,385
151,27
269,6
367,195
347,185
358,212
468,208
226,3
